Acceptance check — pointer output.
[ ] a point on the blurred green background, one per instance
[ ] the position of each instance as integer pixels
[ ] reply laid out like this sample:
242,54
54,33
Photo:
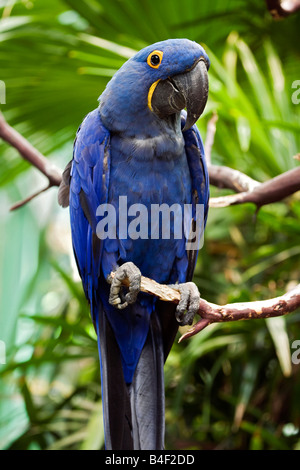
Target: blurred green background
231,387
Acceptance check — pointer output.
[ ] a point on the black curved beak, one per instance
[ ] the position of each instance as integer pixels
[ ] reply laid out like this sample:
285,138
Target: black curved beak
186,90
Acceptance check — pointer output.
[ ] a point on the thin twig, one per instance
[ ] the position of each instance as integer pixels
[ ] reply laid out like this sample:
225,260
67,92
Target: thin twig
28,199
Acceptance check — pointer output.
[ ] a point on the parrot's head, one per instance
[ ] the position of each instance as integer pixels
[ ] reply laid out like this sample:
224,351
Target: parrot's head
156,83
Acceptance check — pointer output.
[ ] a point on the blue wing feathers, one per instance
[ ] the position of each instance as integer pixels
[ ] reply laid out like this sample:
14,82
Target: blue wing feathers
200,181
87,184
196,159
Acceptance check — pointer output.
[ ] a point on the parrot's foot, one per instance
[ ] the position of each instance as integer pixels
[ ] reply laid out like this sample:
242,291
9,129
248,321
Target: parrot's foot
130,272
189,302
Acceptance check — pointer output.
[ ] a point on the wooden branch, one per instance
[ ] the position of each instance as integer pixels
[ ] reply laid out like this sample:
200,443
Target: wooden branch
213,313
29,153
225,177
271,191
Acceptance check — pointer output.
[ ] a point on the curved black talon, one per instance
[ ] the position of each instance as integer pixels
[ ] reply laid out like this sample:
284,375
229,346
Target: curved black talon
189,302
127,271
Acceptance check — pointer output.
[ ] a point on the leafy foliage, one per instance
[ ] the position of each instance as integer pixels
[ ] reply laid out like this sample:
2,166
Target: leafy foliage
233,385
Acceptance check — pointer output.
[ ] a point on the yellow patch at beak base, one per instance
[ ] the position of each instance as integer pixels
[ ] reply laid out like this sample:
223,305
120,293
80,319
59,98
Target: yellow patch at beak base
150,93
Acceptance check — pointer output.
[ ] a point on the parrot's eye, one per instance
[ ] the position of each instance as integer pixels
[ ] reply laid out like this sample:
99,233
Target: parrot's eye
154,59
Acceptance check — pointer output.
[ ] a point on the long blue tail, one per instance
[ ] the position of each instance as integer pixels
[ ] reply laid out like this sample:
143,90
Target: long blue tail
133,413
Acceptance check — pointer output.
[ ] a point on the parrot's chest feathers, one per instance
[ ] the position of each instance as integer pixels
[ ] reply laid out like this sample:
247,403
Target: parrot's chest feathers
152,169
149,174
143,148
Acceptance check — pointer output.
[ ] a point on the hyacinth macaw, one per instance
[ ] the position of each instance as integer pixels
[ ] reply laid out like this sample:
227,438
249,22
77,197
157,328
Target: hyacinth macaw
139,143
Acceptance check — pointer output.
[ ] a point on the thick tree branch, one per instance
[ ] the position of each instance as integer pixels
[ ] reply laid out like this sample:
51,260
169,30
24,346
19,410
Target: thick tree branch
213,313
271,191
225,177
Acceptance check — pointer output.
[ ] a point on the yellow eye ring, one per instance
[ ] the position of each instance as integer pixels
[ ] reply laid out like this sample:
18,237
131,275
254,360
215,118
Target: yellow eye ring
154,59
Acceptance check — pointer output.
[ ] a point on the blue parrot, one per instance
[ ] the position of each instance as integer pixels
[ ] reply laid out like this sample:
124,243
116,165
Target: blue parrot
139,143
